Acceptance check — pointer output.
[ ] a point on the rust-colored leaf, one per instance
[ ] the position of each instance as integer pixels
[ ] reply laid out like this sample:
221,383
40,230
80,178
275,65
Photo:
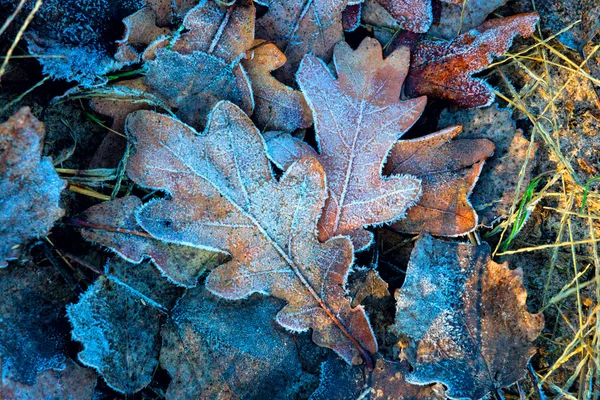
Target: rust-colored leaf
276,106
224,198
301,27
351,17
496,189
448,168
112,224
29,185
358,118
468,317
340,381
443,70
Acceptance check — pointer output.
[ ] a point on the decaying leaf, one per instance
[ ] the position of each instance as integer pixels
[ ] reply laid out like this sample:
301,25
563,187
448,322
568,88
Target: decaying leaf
340,381
29,185
224,198
367,282
34,333
459,17
301,27
412,15
232,350
351,17
116,228
140,30
118,320
495,192
358,118
468,317
69,383
277,106
448,167
443,70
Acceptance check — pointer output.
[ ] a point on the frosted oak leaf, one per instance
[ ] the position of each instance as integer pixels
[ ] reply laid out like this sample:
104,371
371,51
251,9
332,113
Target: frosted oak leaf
224,198
358,118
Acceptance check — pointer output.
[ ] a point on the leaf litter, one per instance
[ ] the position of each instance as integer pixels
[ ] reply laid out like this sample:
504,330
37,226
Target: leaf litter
228,280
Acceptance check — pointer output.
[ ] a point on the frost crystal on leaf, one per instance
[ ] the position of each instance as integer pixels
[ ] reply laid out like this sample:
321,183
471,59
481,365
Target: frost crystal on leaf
468,317
358,118
224,198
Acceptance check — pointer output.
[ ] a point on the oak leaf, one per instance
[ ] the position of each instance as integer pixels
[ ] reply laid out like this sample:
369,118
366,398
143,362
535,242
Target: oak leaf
112,224
351,17
497,187
461,16
224,198
442,70
448,167
140,30
468,317
118,321
29,185
208,358
412,15
358,118
276,106
298,28
340,381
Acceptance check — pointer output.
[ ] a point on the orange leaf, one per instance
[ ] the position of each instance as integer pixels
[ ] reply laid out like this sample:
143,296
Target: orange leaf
448,169
443,70
223,197
358,118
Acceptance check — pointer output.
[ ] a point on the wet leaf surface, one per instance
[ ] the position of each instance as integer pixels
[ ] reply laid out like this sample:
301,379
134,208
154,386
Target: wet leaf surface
468,317
29,185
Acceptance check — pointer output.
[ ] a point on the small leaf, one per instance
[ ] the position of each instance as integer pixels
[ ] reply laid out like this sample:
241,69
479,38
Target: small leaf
496,189
277,106
351,17
140,31
340,381
29,185
442,70
224,197
181,264
358,118
468,317
216,348
461,16
412,15
118,321
448,168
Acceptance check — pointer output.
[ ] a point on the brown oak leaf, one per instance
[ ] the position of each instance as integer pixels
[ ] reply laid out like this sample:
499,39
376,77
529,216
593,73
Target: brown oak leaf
351,17
224,198
340,381
496,190
276,106
358,118
112,224
140,31
301,27
29,185
443,70
448,168
468,317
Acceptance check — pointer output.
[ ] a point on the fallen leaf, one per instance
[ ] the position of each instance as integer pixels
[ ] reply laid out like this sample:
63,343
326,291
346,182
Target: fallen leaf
351,17
112,224
140,30
224,198
459,17
70,382
34,333
448,167
277,106
298,28
367,282
207,359
340,381
358,118
496,189
412,15
468,317
118,321
29,185
442,70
